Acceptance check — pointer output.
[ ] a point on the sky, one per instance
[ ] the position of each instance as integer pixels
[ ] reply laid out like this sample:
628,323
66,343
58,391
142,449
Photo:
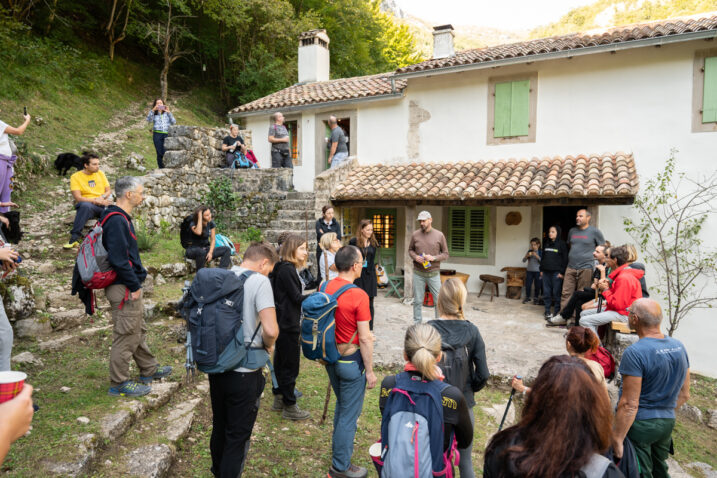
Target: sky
501,14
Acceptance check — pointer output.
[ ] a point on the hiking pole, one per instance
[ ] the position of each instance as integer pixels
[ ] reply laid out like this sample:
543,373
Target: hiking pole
326,404
510,399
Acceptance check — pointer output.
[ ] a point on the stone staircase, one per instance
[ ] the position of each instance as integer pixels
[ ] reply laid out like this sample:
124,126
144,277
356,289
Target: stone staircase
296,215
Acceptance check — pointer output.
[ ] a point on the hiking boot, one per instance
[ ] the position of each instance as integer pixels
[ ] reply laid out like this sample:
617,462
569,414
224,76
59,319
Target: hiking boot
353,471
130,389
159,374
278,404
71,245
557,319
293,412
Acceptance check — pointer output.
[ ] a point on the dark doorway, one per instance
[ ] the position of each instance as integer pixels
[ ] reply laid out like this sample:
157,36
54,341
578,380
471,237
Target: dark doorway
563,216
345,124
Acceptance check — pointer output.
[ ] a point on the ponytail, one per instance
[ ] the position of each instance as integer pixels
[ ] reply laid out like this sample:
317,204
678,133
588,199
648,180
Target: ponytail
423,347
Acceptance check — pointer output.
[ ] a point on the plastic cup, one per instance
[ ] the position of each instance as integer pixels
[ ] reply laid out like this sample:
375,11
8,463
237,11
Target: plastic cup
375,450
11,384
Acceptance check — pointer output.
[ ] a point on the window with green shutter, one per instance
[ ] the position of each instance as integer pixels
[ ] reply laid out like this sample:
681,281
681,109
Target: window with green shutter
511,113
709,97
468,231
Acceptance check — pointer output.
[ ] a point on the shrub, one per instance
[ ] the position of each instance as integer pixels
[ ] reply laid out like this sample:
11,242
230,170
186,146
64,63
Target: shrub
145,239
222,200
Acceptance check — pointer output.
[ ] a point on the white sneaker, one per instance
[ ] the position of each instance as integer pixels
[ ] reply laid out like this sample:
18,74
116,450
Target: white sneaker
557,319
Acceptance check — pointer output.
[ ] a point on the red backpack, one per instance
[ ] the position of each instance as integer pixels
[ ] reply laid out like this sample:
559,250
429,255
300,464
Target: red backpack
606,360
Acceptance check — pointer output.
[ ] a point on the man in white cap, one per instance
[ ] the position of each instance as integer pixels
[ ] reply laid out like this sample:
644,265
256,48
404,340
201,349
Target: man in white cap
428,248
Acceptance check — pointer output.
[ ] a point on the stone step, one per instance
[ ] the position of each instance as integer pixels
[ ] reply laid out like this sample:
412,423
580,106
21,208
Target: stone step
294,224
112,426
300,195
298,204
271,235
286,213
153,451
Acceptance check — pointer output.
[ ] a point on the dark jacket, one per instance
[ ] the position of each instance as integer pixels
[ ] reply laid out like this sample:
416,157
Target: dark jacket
367,281
555,255
287,296
122,250
643,285
495,465
455,419
322,228
459,333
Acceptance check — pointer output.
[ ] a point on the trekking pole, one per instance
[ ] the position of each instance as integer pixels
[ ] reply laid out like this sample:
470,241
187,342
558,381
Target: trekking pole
326,404
510,399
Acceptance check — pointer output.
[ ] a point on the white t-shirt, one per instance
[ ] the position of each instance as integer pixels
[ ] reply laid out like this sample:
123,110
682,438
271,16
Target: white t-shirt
4,140
258,296
322,265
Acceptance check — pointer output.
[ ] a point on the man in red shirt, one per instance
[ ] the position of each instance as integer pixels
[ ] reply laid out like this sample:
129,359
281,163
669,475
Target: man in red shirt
353,373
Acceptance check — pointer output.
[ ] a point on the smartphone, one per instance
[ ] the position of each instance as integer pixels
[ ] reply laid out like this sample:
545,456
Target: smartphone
24,110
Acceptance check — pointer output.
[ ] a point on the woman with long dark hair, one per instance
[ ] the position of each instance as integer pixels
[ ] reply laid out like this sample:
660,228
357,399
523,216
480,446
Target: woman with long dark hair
326,223
564,429
288,296
366,241
204,240
161,119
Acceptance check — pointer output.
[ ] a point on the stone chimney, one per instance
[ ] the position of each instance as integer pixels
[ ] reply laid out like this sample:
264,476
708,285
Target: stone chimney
443,41
313,56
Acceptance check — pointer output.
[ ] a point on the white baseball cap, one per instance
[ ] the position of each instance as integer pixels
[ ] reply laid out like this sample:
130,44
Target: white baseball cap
423,215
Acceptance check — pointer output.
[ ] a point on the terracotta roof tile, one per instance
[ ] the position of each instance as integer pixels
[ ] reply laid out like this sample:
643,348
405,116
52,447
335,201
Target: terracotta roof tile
325,91
584,176
575,41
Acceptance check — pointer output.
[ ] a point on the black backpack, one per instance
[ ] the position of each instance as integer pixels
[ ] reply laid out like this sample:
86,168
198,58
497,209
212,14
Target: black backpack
186,236
456,365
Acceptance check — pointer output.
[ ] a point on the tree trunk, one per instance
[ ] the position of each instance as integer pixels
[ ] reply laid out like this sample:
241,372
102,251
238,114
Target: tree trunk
163,80
51,18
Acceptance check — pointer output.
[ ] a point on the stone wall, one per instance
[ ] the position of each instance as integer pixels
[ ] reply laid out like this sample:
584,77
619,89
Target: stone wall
327,181
197,147
171,194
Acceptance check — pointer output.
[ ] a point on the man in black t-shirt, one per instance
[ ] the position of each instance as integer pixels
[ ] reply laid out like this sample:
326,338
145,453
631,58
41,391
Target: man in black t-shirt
203,247
231,143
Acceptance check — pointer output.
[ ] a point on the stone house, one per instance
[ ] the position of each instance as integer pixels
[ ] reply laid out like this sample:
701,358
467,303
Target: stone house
539,128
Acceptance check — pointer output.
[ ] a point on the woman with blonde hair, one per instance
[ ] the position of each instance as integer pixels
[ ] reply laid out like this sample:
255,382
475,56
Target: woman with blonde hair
330,244
366,241
422,351
464,362
288,296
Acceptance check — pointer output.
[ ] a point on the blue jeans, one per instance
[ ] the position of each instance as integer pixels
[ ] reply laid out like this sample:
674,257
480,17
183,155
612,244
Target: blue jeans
552,288
338,159
349,385
419,291
85,211
532,281
158,139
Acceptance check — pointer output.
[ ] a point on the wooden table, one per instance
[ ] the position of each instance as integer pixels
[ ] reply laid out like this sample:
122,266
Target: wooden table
458,275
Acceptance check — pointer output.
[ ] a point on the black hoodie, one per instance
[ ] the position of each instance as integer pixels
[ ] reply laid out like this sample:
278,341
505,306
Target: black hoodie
460,333
118,237
288,296
555,255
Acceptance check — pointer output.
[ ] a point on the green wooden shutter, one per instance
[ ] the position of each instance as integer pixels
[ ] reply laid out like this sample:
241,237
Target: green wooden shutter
477,234
501,110
709,97
520,108
511,114
457,231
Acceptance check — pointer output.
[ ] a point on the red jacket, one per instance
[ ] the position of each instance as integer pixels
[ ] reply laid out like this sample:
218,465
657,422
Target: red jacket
625,289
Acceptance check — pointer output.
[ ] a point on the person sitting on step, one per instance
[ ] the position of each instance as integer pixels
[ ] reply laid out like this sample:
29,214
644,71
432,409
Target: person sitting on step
91,191
203,247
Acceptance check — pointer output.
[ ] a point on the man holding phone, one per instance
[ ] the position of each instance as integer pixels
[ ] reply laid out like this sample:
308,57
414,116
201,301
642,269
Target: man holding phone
8,155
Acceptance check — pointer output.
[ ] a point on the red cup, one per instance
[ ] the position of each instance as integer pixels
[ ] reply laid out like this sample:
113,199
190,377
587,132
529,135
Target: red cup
11,384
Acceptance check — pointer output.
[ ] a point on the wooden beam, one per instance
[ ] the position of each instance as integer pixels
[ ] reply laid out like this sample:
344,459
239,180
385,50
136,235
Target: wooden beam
410,220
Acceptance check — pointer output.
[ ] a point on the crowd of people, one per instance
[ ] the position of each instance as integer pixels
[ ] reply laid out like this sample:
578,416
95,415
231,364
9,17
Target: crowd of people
567,425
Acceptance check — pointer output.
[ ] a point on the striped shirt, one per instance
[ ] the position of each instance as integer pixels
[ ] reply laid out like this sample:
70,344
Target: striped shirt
162,121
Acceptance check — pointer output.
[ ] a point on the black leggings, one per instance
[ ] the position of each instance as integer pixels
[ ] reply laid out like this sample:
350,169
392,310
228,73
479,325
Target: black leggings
575,303
286,365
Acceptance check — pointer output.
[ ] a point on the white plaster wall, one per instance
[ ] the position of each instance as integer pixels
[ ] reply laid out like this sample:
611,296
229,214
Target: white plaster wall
259,126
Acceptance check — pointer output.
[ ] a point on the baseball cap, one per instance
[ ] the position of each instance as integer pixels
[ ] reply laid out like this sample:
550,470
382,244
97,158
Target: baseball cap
423,215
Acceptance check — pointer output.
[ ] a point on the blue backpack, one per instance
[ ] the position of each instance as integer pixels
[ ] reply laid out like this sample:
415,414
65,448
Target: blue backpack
220,240
241,161
318,325
213,309
412,431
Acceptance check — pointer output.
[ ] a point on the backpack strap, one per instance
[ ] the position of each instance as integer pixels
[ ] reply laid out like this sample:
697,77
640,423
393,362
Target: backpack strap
117,213
596,467
343,289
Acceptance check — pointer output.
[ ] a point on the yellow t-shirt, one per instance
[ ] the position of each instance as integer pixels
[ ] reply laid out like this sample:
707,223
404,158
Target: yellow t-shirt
91,186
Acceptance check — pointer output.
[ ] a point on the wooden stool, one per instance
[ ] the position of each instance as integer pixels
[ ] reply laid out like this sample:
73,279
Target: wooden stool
489,279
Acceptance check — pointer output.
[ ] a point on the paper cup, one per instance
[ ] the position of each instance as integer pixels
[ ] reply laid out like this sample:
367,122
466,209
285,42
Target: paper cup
375,449
10,384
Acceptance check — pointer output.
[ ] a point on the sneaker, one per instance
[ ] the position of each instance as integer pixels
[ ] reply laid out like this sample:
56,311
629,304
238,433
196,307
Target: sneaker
71,244
278,404
353,471
526,300
130,389
159,374
547,316
293,412
557,319
537,302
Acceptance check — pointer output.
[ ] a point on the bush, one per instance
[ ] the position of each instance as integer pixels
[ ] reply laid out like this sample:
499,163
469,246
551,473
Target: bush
222,200
253,234
145,239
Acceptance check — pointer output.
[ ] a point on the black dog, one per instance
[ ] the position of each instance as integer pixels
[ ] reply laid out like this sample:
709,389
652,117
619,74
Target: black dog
66,161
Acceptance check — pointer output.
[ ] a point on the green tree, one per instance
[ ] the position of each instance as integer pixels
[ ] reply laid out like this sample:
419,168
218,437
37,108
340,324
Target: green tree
669,215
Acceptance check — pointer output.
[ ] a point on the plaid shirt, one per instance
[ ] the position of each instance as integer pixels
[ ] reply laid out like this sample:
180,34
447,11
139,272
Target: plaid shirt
162,121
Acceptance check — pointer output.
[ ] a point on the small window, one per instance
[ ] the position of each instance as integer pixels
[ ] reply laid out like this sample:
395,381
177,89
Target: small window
512,104
709,91
704,91
346,229
468,231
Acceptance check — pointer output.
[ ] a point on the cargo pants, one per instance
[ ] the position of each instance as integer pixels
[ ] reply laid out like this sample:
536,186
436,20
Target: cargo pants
128,341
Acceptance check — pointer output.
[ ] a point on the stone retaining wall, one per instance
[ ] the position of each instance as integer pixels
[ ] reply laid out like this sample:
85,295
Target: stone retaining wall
171,194
197,146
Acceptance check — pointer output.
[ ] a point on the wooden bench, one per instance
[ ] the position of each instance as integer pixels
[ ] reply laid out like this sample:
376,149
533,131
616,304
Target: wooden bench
621,327
490,279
